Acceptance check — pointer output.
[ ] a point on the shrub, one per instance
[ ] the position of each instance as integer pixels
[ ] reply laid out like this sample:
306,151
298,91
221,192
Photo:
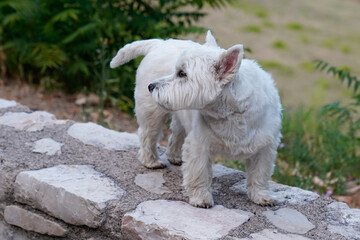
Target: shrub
68,44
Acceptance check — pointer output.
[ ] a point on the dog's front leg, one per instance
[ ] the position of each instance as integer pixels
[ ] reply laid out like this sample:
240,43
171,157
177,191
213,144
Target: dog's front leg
197,171
259,169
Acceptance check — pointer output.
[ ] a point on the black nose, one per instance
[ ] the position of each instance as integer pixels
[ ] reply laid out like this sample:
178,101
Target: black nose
151,87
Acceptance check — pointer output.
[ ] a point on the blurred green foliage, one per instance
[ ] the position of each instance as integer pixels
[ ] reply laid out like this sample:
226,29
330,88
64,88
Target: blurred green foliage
321,147
67,44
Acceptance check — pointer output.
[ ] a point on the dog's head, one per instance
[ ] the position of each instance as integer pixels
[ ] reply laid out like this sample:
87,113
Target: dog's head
200,76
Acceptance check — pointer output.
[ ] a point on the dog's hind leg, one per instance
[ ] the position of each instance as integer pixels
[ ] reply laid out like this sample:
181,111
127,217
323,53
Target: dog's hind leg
176,141
259,170
151,121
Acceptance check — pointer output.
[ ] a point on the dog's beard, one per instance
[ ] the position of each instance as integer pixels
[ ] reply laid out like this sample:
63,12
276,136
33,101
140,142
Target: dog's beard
174,96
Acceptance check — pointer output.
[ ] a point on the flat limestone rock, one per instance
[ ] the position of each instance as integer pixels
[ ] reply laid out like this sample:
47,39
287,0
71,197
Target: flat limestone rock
284,194
6,103
152,182
47,146
30,122
289,220
343,220
220,170
27,220
273,234
163,219
76,194
98,136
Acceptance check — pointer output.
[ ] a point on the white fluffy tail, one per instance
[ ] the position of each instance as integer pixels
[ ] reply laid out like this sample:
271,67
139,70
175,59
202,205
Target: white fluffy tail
133,50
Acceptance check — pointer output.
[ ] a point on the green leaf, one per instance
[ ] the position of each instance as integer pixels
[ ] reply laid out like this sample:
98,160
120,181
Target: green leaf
12,18
344,75
332,69
350,80
78,66
357,84
64,16
324,66
48,56
319,63
26,8
338,72
80,31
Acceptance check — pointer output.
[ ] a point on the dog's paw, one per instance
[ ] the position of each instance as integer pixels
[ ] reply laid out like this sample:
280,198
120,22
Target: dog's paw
154,165
262,197
205,201
175,161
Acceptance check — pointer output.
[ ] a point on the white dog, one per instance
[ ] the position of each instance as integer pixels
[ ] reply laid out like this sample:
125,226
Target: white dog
220,104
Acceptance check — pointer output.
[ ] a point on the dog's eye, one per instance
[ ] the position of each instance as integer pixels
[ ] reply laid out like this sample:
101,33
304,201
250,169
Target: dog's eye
181,74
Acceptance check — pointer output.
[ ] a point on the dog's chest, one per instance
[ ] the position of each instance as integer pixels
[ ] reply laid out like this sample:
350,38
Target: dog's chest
230,137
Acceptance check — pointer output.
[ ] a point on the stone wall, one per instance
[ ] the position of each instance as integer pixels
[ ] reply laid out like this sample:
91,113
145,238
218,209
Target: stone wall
67,180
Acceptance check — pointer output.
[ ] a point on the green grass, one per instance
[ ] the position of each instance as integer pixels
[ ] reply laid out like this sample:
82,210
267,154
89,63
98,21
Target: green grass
281,68
323,83
268,24
295,26
345,49
317,144
252,28
304,39
318,92
251,8
278,44
330,43
231,163
307,66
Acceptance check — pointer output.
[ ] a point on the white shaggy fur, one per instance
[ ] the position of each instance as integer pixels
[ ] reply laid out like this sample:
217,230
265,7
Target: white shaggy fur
220,103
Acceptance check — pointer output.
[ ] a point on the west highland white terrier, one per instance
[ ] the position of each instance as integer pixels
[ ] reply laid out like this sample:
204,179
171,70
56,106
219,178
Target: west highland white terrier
219,102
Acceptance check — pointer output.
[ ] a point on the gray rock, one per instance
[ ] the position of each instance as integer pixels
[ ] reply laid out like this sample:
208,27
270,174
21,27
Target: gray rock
11,233
289,220
162,219
27,220
284,194
30,122
76,194
343,220
273,234
220,170
98,136
47,146
152,182
6,103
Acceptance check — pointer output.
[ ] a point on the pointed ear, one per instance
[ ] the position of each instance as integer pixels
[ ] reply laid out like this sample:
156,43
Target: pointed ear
210,40
229,63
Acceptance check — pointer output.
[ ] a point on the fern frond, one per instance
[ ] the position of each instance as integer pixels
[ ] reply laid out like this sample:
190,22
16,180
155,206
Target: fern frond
48,56
63,16
11,19
80,31
24,7
339,73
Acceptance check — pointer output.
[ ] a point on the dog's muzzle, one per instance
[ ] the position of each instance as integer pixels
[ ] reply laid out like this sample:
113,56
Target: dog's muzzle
151,87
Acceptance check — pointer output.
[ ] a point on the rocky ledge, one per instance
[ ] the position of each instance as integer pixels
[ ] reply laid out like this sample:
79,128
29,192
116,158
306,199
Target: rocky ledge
65,180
